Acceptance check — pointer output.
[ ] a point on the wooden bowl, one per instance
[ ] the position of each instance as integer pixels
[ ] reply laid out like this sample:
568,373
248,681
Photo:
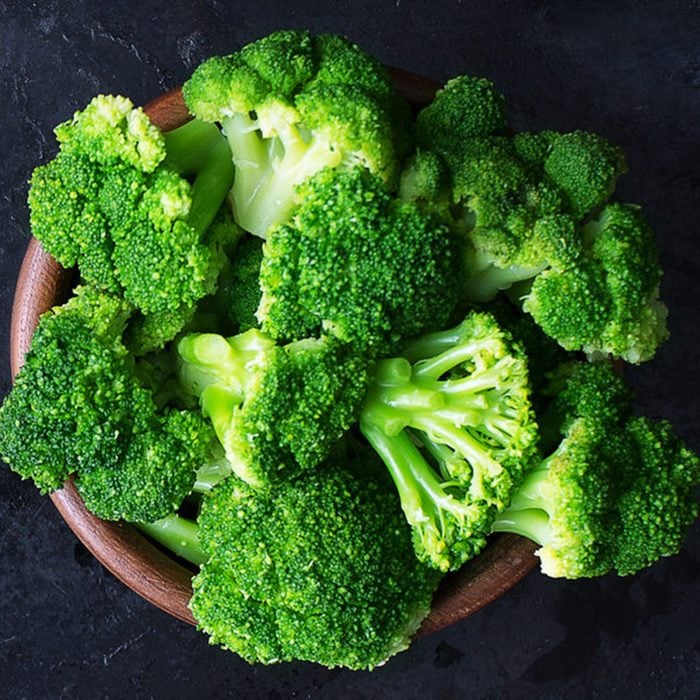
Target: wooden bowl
141,565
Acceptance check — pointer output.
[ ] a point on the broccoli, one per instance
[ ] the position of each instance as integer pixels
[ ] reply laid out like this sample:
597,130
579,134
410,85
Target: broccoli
116,201
356,263
606,303
292,104
78,407
584,166
526,208
277,410
147,333
453,423
319,569
617,492
243,284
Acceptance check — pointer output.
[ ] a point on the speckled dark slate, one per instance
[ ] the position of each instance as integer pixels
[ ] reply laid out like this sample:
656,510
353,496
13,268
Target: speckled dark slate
630,70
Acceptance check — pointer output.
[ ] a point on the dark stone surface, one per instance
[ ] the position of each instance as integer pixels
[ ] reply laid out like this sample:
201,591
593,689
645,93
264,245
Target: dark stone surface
630,70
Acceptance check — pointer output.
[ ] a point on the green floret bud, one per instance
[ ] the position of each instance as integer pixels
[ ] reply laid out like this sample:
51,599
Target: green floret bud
606,304
659,502
586,167
243,283
320,569
156,472
111,130
79,407
277,410
355,263
452,421
466,107
117,202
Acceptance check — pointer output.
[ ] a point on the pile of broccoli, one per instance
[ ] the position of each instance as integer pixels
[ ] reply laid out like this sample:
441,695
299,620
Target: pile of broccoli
322,349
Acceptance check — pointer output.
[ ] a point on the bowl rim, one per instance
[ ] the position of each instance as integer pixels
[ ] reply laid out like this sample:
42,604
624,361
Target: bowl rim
132,557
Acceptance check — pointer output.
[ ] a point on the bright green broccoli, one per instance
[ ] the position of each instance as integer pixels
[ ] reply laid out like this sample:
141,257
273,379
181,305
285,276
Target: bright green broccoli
292,104
525,206
452,421
277,410
116,201
615,494
319,569
78,407
147,333
358,264
243,283
607,303
583,165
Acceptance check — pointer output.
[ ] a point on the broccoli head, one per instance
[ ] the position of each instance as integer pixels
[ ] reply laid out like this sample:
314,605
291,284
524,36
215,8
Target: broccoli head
277,410
319,569
78,407
615,494
291,104
358,264
607,303
117,201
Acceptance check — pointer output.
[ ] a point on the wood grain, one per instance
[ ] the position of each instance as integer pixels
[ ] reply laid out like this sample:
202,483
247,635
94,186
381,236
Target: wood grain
140,564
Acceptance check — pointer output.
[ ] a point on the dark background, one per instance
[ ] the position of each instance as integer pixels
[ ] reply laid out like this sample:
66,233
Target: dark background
630,70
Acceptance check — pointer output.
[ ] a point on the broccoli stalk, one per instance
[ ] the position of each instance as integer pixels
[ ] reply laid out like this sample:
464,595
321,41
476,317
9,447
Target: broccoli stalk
453,423
179,535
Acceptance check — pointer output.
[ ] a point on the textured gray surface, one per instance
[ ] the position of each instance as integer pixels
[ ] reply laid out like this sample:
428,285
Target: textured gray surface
630,70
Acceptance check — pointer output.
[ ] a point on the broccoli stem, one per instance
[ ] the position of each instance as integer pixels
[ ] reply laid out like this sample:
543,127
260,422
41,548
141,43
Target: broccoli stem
177,534
268,169
530,509
531,523
198,149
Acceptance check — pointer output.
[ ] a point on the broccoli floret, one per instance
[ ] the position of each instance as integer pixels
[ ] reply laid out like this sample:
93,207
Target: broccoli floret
453,423
466,106
358,264
116,201
584,166
146,333
243,283
607,303
319,569
617,492
291,104
78,407
277,410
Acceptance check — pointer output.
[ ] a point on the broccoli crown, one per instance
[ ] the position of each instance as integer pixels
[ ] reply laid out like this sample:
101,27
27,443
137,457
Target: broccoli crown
358,264
617,492
585,167
116,202
319,569
277,410
658,501
243,283
77,407
453,422
607,303
466,107
291,104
